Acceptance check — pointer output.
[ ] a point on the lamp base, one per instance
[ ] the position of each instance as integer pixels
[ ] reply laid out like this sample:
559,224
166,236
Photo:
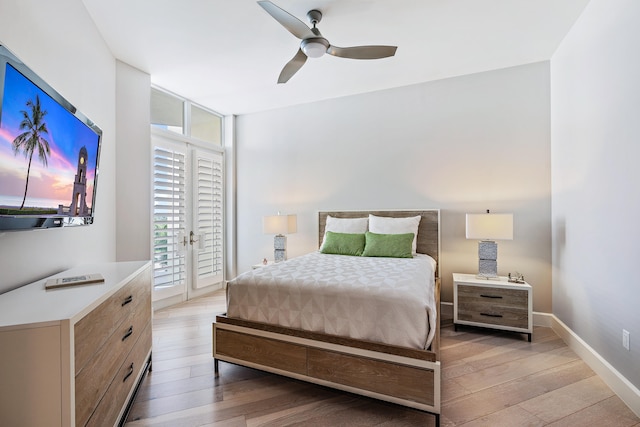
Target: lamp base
279,248
487,260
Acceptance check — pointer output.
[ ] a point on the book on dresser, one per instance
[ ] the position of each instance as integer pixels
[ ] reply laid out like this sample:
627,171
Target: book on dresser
78,352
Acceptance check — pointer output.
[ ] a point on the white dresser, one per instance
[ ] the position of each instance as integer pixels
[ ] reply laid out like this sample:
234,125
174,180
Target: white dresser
74,355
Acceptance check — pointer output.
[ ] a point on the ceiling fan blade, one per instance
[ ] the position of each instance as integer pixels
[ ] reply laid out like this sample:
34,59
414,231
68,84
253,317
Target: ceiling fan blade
362,52
287,20
292,66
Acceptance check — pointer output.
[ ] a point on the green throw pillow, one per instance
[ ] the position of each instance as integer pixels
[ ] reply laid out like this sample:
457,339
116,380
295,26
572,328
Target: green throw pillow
388,245
343,244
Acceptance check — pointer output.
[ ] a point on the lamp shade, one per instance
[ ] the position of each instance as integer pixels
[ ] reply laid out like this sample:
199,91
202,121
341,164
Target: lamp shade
490,226
279,224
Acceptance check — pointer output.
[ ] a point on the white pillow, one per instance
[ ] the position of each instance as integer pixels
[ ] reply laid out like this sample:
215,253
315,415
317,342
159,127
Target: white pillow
386,225
345,225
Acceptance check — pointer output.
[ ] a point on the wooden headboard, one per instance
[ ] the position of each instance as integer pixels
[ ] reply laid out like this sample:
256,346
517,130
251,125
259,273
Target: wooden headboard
428,231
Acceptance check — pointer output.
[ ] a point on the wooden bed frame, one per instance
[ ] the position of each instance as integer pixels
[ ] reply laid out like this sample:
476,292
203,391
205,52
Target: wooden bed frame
405,376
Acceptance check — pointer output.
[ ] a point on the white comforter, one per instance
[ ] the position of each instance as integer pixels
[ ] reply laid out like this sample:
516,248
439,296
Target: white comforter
388,300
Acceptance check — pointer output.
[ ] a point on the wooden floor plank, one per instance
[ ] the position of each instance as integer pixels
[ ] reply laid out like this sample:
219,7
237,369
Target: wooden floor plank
477,405
509,417
304,413
569,399
489,378
609,412
512,370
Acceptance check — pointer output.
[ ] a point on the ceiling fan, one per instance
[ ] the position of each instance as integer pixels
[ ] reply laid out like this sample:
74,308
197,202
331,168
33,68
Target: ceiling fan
313,44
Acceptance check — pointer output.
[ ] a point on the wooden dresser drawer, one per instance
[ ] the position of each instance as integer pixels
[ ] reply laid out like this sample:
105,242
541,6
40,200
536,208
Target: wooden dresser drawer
92,331
92,381
125,379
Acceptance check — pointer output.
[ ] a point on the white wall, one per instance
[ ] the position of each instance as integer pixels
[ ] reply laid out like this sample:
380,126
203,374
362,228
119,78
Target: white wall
464,144
133,156
595,81
60,43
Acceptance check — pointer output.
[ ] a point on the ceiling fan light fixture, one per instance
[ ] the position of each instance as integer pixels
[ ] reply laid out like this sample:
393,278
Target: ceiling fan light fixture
313,44
314,47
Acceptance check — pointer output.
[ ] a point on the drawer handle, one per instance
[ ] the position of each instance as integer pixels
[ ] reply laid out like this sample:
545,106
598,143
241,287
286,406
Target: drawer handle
128,334
491,296
490,315
129,372
127,300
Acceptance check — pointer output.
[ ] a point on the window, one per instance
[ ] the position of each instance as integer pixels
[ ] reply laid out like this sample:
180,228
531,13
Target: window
167,111
170,112
206,126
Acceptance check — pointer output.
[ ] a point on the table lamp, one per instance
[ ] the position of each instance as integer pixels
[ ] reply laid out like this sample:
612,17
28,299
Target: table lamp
279,225
487,228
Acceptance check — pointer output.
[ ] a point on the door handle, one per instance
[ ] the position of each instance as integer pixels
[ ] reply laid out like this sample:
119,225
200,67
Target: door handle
196,240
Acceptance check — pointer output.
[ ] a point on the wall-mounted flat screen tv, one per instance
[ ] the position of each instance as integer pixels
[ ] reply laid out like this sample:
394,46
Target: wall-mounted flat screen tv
49,153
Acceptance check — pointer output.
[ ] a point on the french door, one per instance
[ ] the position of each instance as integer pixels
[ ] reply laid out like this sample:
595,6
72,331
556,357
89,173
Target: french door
187,235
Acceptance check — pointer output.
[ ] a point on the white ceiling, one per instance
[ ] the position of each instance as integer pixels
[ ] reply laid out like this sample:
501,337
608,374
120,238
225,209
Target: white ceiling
227,54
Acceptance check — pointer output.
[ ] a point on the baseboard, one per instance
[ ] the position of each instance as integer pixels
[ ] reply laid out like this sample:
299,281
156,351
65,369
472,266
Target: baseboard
446,310
542,319
168,302
629,393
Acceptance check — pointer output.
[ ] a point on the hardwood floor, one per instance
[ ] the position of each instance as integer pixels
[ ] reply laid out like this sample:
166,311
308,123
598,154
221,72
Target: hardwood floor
488,379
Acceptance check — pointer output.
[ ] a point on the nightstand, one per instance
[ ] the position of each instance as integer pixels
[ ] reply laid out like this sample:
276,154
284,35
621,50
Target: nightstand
496,304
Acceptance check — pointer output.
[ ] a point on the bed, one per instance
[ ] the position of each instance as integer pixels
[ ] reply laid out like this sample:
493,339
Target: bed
399,348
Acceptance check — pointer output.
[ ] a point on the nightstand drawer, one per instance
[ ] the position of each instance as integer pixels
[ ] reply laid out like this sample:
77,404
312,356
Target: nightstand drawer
494,315
504,307
493,296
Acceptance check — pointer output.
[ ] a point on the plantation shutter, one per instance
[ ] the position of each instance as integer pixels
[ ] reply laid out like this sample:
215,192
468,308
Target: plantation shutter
208,218
169,214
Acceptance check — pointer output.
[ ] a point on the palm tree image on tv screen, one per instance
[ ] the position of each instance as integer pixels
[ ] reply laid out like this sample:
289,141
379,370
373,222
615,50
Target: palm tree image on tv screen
48,156
33,138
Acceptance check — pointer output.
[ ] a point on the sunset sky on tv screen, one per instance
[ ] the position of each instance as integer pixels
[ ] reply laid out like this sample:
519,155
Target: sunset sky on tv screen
49,185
